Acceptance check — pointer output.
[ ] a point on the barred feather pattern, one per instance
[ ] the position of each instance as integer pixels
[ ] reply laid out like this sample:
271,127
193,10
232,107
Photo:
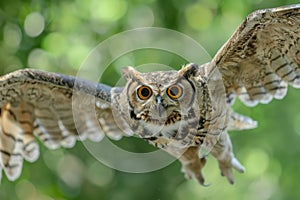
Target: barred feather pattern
263,56
36,104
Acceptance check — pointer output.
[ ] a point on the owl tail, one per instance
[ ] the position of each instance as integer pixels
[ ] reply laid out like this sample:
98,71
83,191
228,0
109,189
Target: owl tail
16,141
240,122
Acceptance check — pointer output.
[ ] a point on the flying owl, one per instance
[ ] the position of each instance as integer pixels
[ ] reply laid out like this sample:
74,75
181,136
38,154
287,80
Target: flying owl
180,112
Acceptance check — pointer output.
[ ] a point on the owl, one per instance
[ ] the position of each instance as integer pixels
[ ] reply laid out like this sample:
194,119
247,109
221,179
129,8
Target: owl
184,113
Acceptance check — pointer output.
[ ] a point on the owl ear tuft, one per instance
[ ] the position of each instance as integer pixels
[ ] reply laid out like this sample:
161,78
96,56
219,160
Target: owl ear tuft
188,70
130,73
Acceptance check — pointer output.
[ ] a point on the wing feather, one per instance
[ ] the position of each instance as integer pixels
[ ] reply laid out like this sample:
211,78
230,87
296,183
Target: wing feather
263,56
41,104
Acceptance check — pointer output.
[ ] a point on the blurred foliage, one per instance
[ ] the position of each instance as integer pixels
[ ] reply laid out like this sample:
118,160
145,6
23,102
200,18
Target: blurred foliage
57,35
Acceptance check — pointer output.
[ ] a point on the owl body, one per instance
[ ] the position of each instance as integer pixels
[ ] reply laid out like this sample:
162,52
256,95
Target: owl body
195,115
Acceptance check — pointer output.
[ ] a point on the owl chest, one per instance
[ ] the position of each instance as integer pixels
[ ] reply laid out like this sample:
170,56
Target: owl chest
180,135
191,131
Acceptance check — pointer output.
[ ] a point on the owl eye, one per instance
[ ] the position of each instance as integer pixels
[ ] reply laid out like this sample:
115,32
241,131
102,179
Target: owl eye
144,92
175,91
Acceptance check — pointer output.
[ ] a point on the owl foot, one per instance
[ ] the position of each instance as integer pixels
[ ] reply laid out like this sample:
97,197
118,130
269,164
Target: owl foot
192,170
227,166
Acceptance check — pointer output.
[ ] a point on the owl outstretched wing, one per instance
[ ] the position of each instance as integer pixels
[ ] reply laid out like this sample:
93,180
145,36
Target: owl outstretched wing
55,108
263,56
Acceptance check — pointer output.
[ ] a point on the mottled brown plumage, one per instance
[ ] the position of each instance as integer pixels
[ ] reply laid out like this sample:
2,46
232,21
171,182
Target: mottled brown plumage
182,112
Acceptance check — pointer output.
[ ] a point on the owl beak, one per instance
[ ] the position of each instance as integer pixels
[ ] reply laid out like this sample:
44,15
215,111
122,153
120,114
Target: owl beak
159,105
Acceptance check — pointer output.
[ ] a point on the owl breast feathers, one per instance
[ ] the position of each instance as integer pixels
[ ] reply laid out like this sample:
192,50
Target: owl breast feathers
180,112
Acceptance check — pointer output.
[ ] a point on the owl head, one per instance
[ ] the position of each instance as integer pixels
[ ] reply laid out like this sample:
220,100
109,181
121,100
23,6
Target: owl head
161,97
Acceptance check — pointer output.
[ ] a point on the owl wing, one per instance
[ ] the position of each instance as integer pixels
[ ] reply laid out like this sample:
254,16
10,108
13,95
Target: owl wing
55,108
262,57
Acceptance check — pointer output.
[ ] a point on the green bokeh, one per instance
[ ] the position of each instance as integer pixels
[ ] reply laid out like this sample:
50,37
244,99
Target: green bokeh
72,28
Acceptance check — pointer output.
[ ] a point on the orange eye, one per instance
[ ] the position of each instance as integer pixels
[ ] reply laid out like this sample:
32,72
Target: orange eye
144,92
174,91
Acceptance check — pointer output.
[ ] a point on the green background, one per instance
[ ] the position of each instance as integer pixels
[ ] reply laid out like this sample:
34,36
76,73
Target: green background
57,36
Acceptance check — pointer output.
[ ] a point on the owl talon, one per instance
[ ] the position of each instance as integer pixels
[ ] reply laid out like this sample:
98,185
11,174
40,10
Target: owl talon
193,171
227,166
198,176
